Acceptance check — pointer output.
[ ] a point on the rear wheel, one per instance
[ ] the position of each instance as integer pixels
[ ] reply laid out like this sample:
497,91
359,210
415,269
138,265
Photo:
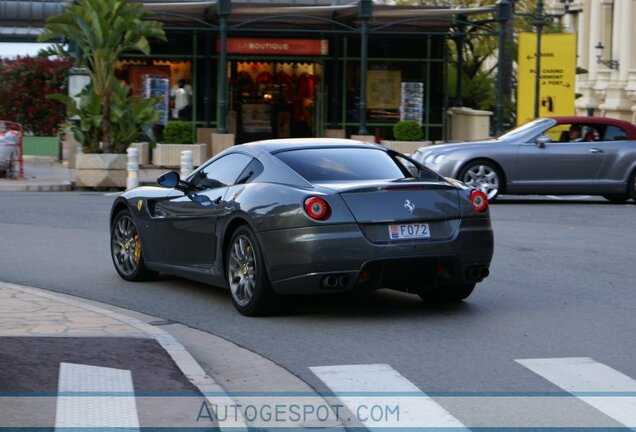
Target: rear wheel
247,278
448,293
484,176
125,249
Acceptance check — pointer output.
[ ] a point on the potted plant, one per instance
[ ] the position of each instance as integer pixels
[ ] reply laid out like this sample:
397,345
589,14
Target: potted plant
408,137
178,136
109,118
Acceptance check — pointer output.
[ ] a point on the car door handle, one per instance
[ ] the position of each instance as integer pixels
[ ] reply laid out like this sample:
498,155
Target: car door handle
595,150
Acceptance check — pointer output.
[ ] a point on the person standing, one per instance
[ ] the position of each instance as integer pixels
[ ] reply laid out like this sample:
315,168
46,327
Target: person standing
181,94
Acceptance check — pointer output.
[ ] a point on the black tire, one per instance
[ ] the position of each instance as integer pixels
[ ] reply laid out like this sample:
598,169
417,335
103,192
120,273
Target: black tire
616,198
448,293
631,187
126,251
246,275
491,182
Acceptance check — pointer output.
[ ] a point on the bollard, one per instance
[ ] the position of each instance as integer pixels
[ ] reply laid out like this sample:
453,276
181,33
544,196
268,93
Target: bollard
186,163
133,168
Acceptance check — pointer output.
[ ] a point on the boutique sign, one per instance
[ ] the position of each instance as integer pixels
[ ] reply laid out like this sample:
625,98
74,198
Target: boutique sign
276,46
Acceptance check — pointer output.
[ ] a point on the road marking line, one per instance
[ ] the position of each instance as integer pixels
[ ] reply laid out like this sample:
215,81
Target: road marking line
85,408
584,375
379,385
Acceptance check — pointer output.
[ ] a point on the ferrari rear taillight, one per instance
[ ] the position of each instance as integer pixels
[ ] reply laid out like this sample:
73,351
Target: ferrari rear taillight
317,208
479,200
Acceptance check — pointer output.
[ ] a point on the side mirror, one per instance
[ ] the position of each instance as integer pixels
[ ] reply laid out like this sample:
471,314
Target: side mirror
543,140
170,179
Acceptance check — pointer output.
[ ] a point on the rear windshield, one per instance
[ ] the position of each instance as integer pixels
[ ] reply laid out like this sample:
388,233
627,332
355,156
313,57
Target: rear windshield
332,164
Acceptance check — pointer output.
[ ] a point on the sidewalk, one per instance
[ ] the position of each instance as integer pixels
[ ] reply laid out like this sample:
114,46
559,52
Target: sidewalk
45,174
68,363
41,174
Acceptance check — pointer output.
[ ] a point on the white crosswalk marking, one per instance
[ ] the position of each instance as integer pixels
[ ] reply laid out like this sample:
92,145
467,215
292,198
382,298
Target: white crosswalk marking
598,385
83,407
363,388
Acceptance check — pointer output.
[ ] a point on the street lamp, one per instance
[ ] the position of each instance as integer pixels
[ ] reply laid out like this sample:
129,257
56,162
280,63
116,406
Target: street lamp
539,22
612,64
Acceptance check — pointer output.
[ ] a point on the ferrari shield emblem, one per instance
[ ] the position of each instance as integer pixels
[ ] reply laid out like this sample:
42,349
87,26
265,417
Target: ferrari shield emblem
140,204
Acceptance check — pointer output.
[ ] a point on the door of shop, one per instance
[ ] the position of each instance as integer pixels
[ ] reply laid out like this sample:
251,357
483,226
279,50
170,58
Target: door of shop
275,98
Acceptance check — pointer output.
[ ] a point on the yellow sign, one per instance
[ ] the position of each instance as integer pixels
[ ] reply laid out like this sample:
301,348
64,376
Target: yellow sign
383,89
140,204
556,82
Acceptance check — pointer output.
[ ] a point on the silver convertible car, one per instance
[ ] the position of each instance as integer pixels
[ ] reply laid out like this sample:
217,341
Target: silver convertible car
559,155
306,216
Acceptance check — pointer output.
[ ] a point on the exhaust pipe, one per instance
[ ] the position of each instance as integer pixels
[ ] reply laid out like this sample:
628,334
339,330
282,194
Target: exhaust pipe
335,281
477,273
330,281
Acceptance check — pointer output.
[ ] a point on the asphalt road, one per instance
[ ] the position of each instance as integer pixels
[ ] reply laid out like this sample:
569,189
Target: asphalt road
561,285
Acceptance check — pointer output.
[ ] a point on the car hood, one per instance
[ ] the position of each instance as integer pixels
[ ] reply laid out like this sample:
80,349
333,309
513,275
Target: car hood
463,145
454,147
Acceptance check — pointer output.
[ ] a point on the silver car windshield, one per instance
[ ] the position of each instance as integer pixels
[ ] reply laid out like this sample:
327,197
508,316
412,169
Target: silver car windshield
528,131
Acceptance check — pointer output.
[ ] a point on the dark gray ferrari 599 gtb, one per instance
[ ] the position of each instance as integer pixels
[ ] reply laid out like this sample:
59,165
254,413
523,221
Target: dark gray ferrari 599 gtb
306,216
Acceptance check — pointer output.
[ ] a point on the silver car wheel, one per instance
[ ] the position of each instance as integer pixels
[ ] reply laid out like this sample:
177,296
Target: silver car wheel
242,270
483,178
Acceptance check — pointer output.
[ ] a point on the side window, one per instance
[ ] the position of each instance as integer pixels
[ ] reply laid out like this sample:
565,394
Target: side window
567,132
251,171
614,133
559,133
414,171
222,172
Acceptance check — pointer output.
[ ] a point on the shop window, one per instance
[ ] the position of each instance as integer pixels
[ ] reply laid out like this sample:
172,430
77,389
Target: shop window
169,81
274,99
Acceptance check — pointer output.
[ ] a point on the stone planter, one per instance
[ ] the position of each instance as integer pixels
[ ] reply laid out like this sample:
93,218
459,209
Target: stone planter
144,152
406,147
169,155
221,142
100,170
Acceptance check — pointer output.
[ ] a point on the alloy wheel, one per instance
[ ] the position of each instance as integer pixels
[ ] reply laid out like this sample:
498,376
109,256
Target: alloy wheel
126,245
242,270
484,178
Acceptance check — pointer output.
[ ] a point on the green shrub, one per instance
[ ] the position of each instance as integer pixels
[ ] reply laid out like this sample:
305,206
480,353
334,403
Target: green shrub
178,132
407,130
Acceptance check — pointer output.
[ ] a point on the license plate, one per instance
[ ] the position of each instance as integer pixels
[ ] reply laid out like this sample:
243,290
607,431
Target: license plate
409,231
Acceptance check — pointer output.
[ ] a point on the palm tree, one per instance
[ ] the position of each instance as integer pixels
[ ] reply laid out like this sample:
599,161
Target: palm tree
102,31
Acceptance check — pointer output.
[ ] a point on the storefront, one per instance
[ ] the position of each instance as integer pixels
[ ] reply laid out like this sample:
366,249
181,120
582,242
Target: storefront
314,68
296,71
275,87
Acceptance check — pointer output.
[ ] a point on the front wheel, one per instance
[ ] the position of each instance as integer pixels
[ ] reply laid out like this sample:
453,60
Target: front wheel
247,277
484,176
448,293
125,249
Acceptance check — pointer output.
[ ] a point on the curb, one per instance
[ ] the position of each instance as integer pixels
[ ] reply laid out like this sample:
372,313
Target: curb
9,186
182,358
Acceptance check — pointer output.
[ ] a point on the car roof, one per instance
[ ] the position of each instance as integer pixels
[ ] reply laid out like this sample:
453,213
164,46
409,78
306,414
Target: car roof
275,145
595,120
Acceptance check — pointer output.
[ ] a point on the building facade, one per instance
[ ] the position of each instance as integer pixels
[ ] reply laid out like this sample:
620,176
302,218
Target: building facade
606,53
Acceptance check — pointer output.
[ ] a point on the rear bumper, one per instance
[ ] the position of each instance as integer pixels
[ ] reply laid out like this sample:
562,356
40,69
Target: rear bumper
300,259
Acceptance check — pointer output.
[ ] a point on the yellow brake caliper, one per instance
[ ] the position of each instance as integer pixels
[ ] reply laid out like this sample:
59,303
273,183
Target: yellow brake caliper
137,249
